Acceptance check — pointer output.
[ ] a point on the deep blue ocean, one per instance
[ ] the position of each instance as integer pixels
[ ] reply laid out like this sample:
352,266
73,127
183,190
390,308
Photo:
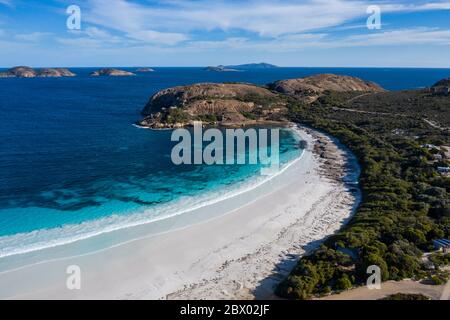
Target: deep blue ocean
69,153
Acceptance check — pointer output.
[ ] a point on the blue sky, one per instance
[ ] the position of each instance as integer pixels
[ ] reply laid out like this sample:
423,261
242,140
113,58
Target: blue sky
203,32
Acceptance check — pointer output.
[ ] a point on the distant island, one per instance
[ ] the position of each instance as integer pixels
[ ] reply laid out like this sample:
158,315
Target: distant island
111,73
221,69
241,67
249,66
28,72
145,70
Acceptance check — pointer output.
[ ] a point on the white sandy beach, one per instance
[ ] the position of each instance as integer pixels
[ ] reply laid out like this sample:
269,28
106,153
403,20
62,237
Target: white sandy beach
240,254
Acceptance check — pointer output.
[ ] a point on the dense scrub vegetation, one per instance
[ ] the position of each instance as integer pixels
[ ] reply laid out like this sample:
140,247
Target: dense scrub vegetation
406,296
405,201
408,104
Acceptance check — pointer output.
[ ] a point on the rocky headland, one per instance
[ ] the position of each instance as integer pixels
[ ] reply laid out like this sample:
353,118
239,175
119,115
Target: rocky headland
27,72
111,73
224,104
236,104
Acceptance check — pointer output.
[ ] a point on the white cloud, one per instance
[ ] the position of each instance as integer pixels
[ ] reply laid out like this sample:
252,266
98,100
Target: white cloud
284,43
267,18
32,37
254,27
157,37
132,20
90,37
401,37
97,33
81,42
176,22
442,5
175,19
296,42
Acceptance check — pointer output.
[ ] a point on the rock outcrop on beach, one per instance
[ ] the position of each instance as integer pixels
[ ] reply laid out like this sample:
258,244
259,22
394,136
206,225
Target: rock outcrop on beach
27,72
226,104
111,73
310,88
145,70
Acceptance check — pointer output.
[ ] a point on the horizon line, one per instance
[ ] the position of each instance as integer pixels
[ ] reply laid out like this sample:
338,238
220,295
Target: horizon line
276,67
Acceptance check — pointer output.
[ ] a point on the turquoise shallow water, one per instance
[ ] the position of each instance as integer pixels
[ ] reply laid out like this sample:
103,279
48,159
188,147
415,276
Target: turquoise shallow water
70,158
144,180
62,215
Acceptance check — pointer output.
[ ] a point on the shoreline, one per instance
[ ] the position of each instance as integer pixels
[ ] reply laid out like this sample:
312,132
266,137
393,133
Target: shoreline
260,271
227,256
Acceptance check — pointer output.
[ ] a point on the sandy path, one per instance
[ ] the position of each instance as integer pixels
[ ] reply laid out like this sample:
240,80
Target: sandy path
388,288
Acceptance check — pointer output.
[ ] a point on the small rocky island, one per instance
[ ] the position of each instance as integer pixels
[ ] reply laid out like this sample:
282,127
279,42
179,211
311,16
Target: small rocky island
145,70
237,104
220,69
27,72
111,73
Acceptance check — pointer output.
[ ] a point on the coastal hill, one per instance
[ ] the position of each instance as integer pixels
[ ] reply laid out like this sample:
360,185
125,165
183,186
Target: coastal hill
227,104
310,88
443,82
111,72
441,87
27,72
235,104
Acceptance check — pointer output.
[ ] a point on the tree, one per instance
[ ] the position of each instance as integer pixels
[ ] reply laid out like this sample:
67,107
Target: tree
344,283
